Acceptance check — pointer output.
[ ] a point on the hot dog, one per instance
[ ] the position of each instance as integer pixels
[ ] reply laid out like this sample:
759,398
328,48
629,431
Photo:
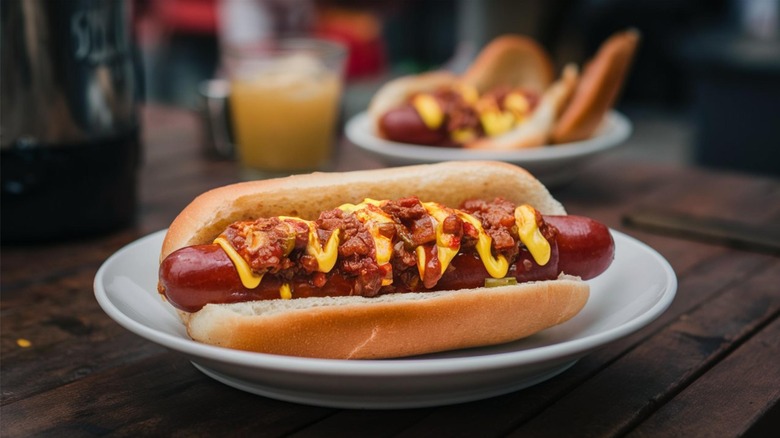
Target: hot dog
365,278
194,276
507,99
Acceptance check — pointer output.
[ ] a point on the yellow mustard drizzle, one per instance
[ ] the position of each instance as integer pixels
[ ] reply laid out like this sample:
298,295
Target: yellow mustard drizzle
530,235
518,105
463,135
326,256
421,260
352,208
497,267
249,279
429,110
496,122
468,92
285,292
370,214
446,247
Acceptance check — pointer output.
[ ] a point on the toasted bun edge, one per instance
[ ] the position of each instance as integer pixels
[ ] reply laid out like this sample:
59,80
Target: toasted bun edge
514,60
395,325
598,90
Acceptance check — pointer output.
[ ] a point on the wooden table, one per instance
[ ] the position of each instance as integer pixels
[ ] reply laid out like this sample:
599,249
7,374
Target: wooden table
709,366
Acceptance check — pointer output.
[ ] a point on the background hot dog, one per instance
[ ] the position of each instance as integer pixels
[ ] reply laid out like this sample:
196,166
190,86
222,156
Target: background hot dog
575,106
404,124
460,118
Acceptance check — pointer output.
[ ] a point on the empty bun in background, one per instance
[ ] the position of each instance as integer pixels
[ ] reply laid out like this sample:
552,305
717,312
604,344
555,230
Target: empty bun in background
511,60
598,89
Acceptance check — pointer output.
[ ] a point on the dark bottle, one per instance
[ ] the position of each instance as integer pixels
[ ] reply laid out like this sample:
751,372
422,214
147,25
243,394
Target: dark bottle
69,129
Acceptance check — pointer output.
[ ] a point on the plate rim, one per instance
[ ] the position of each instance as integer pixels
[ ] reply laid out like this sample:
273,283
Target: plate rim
383,367
618,129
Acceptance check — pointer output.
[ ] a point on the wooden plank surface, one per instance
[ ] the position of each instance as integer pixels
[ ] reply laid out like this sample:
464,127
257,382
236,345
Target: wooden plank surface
738,392
161,396
626,391
707,365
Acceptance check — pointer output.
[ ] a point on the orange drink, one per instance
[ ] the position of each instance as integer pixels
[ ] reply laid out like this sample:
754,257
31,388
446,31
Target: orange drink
284,108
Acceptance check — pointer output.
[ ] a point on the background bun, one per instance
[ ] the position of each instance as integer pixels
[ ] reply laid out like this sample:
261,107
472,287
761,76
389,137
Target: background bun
601,82
511,60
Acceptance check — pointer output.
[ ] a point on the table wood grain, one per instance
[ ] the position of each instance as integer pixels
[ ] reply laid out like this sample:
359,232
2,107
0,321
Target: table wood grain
707,367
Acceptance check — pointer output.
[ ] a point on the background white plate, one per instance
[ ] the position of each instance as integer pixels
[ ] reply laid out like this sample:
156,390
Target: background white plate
553,165
636,289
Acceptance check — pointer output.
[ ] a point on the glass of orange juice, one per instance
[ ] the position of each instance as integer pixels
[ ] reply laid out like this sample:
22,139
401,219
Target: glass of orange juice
284,104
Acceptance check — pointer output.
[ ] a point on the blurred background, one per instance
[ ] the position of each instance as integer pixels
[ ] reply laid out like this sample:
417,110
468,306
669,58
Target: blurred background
704,88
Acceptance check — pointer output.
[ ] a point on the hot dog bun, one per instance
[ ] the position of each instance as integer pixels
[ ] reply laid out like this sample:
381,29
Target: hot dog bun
388,326
598,89
391,325
511,60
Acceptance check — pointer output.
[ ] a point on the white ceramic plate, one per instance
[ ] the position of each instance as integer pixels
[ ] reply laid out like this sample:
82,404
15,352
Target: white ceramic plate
635,290
553,165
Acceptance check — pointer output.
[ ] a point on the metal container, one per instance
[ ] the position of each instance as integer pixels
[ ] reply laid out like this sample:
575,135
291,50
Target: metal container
69,128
